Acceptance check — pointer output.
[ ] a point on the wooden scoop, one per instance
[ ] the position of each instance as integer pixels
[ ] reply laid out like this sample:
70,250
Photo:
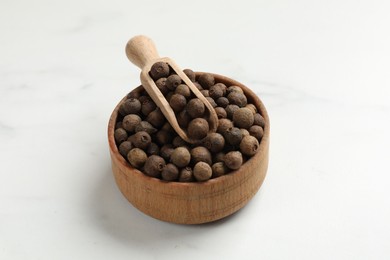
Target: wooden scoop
142,52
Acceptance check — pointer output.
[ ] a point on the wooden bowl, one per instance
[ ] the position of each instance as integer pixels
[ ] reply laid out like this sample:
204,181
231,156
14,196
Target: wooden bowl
194,202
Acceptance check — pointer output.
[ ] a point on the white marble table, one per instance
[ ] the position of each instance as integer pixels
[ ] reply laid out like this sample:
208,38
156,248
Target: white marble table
320,67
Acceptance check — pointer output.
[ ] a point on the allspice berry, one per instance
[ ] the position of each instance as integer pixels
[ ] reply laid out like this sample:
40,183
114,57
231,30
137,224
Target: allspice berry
215,92
156,118
205,92
244,132
202,171
233,136
137,157
198,86
186,175
153,149
134,94
173,81
223,125
178,102
181,157
221,112
201,154
233,160
125,147
218,157
198,128
154,165
167,127
178,141
195,108
190,74
214,142
252,108
230,109
148,106
212,102
234,89
223,87
259,120
120,135
256,131
166,151
238,99
184,90
130,106
163,137
243,118
170,172
130,121
145,126
183,119
219,169
249,145
206,80
159,70
141,140
222,102
162,85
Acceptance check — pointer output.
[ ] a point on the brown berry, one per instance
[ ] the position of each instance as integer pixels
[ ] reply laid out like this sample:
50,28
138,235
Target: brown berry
259,120
256,131
141,140
178,141
130,106
130,121
202,171
167,127
195,108
223,87
200,154
215,92
134,94
162,85
166,151
230,109
120,135
219,157
237,98
181,157
125,147
190,74
234,89
214,142
173,81
186,175
198,128
148,106
243,118
178,102
233,160
183,119
221,112
137,157
153,149
233,136
159,70
252,108
219,169
249,145
156,118
223,125
154,166
222,102
118,125
212,102
184,90
170,172
206,80
244,132
198,86
205,92
145,126
163,137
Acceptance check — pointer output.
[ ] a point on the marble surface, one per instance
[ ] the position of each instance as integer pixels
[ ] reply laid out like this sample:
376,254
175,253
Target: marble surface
320,67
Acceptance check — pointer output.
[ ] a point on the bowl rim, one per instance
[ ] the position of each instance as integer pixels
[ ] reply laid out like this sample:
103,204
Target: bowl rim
219,78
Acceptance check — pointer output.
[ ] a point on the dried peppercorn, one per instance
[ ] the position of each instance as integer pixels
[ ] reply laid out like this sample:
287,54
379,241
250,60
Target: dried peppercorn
256,131
243,118
230,109
198,128
186,175
181,157
125,147
170,172
200,154
202,171
221,112
214,142
130,106
195,108
233,160
154,165
249,145
163,137
178,102
223,125
184,90
215,92
166,151
137,157
238,99
145,126
159,70
222,102
173,81
190,74
162,85
153,149
156,118
233,136
206,80
130,121
183,119
259,120
141,140
120,135
148,106
219,169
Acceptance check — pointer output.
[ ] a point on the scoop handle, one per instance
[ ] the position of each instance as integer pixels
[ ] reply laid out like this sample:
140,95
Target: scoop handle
140,50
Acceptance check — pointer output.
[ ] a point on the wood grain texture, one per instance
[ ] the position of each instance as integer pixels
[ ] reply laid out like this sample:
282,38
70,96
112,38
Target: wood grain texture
142,52
193,203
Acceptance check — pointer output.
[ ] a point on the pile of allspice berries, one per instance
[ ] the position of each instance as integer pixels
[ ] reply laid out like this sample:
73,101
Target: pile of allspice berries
149,143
